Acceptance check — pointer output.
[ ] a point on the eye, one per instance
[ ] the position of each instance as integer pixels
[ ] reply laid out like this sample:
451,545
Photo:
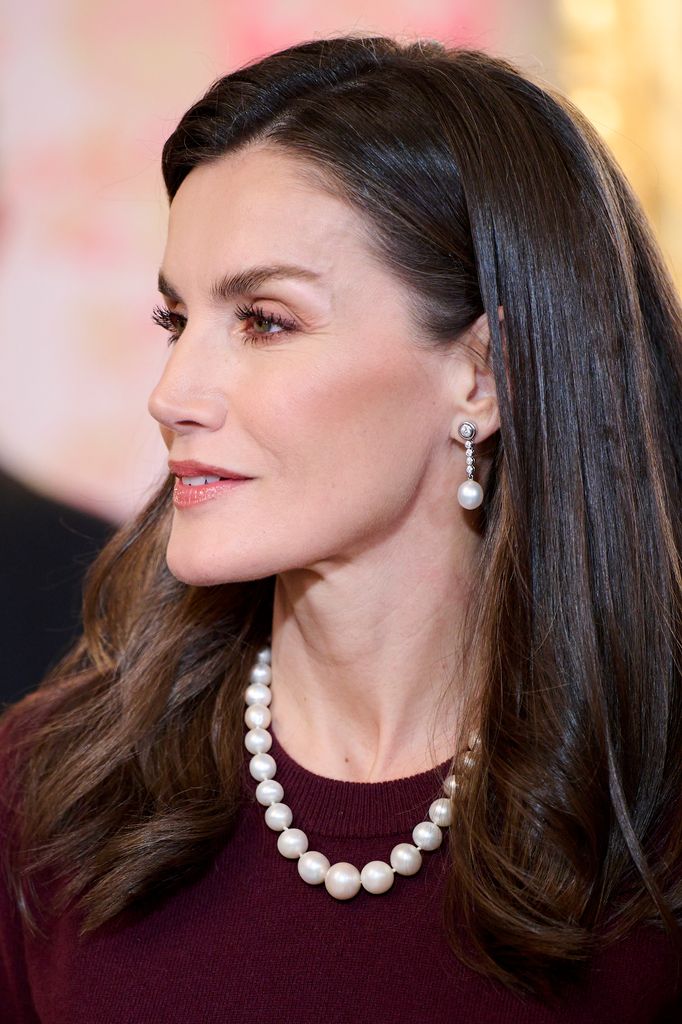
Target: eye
257,314
175,323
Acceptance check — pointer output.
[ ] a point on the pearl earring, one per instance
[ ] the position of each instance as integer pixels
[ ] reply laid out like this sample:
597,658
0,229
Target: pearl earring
470,493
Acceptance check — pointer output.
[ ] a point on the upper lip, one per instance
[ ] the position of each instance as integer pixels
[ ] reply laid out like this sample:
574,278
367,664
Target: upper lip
192,468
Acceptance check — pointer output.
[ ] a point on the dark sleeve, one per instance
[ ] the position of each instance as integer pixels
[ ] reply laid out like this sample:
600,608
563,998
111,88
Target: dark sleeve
48,547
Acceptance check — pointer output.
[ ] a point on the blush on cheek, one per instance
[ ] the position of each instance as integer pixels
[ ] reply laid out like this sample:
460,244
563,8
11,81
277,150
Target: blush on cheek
361,403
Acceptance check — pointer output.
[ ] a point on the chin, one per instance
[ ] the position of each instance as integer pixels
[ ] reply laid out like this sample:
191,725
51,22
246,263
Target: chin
191,565
203,570
192,574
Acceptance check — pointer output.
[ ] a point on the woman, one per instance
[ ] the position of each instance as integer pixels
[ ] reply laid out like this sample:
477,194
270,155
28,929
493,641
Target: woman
417,563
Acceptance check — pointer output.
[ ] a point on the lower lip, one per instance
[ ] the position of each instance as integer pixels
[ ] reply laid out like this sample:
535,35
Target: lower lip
184,495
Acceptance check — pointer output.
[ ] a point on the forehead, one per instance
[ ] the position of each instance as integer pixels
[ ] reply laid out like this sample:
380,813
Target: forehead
246,202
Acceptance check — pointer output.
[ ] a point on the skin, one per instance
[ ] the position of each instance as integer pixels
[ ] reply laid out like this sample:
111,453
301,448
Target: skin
349,430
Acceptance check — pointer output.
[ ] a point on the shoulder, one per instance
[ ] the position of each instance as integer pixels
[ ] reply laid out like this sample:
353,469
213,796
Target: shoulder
642,970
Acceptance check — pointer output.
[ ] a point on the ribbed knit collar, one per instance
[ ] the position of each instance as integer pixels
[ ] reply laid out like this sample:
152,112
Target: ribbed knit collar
332,807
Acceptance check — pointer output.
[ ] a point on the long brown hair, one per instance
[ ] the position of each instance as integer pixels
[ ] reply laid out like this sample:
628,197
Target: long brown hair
483,189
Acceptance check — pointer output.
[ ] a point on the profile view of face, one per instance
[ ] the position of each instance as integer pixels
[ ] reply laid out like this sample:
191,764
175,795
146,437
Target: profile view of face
321,396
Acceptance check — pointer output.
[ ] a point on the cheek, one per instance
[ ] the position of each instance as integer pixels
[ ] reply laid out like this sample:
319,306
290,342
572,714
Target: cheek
342,418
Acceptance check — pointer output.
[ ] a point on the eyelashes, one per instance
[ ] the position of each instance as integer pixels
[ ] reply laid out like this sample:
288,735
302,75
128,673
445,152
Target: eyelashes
171,322
175,323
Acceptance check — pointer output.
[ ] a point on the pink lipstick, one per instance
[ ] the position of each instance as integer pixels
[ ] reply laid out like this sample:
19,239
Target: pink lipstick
186,495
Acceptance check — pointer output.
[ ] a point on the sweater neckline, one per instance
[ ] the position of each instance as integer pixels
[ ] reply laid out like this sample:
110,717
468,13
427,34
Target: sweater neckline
334,807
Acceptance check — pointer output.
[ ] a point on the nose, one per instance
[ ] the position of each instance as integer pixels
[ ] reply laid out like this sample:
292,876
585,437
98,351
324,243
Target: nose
186,397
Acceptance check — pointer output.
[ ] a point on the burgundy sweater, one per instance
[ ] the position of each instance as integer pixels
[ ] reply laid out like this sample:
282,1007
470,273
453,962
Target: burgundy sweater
251,942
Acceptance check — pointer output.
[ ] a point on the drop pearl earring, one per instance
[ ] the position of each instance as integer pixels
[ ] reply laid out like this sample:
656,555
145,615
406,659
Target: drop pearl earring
469,493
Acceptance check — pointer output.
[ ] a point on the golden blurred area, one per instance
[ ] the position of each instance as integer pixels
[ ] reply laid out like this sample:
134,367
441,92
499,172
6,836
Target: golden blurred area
620,61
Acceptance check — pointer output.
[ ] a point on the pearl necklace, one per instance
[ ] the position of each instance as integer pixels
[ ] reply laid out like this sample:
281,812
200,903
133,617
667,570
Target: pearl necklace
341,880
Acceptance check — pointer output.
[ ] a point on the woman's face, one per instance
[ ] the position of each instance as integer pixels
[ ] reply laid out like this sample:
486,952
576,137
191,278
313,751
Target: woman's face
339,419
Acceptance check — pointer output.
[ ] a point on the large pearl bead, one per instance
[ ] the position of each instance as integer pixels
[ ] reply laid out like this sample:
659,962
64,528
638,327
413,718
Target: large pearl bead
440,811
377,876
262,766
258,741
292,843
406,859
261,673
258,693
313,867
427,835
470,494
278,817
257,716
342,880
269,791
450,784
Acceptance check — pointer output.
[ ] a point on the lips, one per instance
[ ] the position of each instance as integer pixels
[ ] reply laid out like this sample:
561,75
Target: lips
192,468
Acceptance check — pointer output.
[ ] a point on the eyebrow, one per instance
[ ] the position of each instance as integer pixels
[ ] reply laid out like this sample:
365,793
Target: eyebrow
233,285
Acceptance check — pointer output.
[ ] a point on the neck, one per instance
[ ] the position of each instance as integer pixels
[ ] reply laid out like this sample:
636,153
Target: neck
367,680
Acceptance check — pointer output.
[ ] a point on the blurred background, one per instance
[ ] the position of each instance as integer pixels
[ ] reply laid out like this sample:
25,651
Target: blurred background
89,91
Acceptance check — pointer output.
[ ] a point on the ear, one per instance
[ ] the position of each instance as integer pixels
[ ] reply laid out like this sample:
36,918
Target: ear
478,397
